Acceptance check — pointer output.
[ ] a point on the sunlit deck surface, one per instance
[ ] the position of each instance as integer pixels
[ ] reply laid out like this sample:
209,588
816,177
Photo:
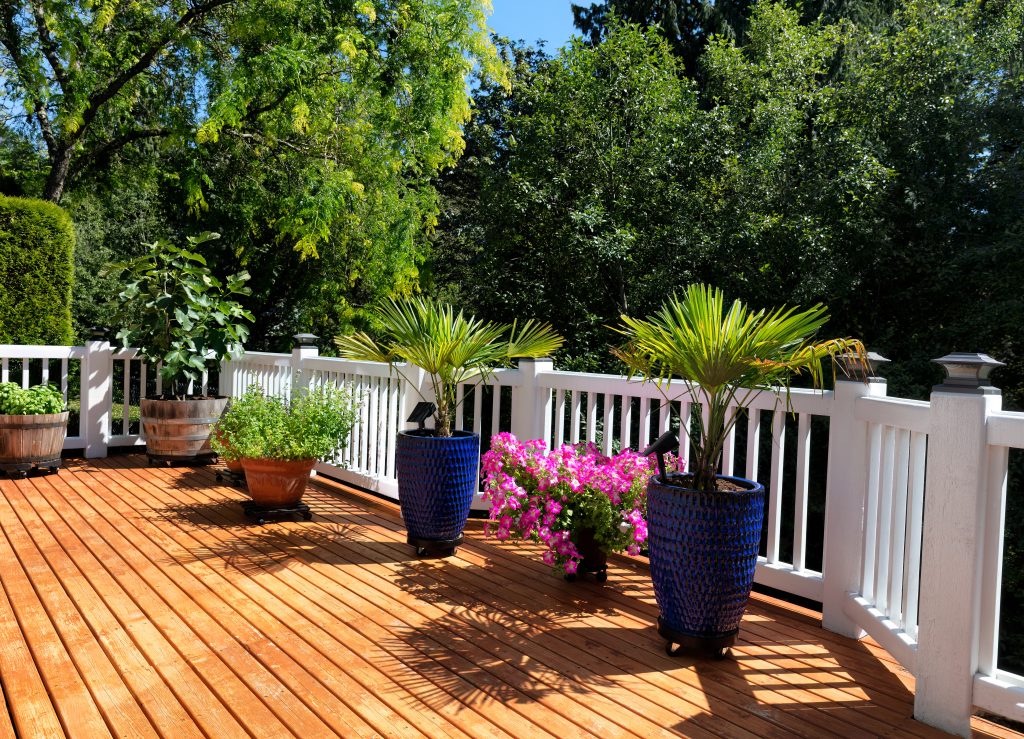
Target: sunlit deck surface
138,601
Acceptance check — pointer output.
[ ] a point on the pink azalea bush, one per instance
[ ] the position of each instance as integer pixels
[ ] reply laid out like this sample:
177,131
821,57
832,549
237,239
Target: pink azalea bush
545,496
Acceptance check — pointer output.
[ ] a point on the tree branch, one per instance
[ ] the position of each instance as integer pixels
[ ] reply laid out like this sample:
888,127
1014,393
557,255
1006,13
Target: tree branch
11,42
97,100
85,162
49,48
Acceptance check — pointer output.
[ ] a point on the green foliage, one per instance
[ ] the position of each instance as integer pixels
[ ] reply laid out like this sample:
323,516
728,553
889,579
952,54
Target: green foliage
312,426
37,243
36,400
175,311
728,356
573,202
450,347
350,106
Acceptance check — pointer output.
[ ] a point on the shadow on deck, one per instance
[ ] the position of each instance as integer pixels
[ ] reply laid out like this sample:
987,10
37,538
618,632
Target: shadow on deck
139,600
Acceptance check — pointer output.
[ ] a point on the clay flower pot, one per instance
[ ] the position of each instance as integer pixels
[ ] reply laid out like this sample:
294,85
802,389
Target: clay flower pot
276,483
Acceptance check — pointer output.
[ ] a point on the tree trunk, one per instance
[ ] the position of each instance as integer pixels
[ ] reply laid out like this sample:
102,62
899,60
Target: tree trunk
55,181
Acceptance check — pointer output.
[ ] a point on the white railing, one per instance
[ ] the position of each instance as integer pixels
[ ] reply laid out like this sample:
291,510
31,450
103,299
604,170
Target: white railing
914,501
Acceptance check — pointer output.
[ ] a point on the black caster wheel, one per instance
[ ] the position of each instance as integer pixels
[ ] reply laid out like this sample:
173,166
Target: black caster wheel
306,516
570,576
722,653
421,551
261,520
220,477
601,576
54,469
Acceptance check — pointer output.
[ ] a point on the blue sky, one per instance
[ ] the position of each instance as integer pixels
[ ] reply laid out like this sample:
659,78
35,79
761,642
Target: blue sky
530,20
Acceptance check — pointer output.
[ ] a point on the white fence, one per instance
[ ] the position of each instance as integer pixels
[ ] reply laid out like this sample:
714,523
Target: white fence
909,522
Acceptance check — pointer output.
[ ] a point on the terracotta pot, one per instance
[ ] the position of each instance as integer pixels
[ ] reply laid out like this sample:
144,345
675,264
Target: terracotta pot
276,482
233,465
179,430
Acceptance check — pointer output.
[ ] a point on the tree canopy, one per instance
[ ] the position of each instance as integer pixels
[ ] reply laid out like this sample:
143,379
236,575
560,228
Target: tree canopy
355,102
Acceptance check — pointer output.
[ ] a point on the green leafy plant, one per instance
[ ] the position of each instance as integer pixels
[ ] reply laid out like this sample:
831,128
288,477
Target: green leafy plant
18,401
727,357
452,348
311,426
179,314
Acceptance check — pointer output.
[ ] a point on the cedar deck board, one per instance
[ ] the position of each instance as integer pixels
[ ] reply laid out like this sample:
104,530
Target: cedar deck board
137,588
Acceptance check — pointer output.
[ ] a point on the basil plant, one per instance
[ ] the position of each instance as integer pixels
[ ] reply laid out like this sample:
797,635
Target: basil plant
178,314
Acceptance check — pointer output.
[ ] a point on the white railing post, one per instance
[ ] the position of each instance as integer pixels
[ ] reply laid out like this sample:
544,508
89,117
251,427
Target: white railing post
531,403
953,542
226,378
305,348
97,395
846,492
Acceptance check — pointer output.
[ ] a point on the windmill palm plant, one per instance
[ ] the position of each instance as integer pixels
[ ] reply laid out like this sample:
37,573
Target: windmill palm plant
727,356
704,532
449,346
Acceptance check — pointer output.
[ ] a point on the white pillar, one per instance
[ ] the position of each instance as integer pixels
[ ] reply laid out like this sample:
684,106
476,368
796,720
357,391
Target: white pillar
845,496
531,402
97,396
952,545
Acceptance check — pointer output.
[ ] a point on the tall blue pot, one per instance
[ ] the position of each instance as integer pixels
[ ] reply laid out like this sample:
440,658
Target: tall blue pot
703,552
437,478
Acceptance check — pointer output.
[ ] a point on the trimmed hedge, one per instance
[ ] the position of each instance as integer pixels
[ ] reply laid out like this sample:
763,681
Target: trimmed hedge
37,243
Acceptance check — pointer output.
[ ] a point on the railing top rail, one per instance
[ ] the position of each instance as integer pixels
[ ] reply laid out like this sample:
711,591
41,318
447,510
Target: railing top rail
912,415
1006,428
263,358
348,366
19,351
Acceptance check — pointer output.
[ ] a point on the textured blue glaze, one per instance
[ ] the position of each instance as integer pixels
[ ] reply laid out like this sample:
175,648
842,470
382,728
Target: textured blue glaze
437,478
703,552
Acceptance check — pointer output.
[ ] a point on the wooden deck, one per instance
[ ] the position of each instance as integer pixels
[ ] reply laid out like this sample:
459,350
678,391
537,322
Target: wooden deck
138,602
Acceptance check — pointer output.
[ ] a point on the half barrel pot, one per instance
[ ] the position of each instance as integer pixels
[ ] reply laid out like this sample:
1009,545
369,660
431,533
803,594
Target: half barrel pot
437,479
179,430
703,553
32,441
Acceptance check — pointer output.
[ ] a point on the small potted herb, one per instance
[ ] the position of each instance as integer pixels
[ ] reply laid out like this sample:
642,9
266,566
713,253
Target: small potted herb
278,442
577,502
185,320
33,424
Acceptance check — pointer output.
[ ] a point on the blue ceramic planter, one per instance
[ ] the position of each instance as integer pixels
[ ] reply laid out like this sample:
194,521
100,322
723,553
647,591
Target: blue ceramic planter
437,478
703,553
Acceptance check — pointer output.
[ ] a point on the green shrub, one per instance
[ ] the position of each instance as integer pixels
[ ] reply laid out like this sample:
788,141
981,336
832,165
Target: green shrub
37,243
14,401
311,426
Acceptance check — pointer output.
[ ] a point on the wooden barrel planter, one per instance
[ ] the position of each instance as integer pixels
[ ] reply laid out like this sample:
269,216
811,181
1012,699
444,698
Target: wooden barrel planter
32,441
179,430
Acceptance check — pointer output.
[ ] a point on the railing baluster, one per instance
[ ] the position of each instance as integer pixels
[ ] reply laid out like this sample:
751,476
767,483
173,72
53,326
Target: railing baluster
609,423
871,511
899,524
753,442
126,392
645,424
775,484
885,487
591,417
729,450
915,509
5,372
559,419
496,410
575,412
24,372
625,421
478,405
64,378
803,464
371,435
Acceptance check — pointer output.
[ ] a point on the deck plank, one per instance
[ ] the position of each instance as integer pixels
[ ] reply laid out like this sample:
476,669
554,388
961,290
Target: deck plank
139,602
